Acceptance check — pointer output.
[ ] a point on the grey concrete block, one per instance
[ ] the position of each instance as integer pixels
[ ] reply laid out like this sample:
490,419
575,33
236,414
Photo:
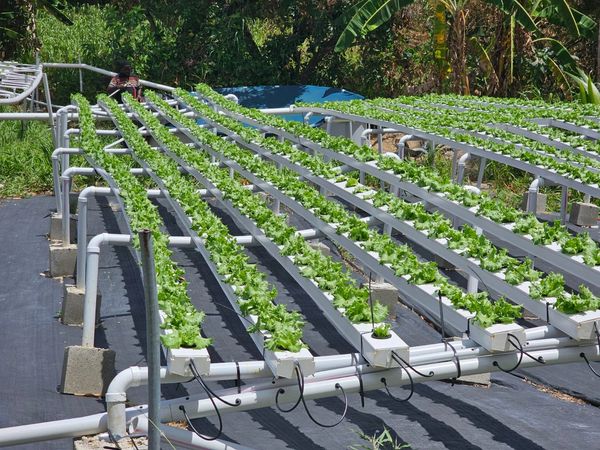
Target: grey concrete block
87,370
56,227
317,245
62,260
72,305
584,214
387,295
483,379
541,202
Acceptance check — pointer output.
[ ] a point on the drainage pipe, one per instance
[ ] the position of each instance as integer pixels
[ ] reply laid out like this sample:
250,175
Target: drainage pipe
184,438
56,173
462,162
256,397
401,146
532,195
253,398
116,395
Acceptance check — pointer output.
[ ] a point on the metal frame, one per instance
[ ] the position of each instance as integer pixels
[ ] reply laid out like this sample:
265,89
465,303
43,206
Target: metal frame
417,296
577,273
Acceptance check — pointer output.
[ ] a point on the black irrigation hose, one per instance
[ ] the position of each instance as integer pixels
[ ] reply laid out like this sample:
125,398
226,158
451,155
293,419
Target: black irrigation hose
583,355
456,362
404,366
208,390
300,378
512,339
211,397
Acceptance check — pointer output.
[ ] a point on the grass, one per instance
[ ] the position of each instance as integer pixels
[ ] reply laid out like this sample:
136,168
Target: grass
25,164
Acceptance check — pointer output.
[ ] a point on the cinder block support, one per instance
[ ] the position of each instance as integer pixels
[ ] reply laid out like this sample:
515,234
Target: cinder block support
87,370
317,245
584,214
540,203
56,227
482,379
387,296
72,305
62,260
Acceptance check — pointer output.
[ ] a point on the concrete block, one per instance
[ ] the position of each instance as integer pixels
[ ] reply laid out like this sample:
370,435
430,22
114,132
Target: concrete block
56,227
62,260
87,370
317,245
483,379
541,202
584,214
386,294
72,305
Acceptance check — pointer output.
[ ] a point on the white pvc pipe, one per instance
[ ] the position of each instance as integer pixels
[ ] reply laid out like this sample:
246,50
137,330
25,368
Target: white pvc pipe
23,95
532,193
184,438
252,398
462,162
109,73
92,269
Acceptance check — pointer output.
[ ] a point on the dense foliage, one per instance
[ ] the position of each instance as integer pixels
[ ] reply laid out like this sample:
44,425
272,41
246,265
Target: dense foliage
427,45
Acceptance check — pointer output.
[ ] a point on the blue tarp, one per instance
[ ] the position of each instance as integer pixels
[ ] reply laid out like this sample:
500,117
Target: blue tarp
282,96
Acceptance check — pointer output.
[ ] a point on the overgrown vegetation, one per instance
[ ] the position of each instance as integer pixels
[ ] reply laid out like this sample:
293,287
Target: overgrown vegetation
25,150
516,47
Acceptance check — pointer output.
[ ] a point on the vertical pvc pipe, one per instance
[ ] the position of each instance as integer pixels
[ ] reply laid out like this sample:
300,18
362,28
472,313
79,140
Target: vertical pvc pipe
564,198
56,181
49,106
80,77
472,281
482,164
152,338
454,161
91,291
81,241
66,213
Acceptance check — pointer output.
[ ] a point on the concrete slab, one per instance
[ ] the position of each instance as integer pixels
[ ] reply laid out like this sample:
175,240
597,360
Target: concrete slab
62,259
584,214
87,370
71,312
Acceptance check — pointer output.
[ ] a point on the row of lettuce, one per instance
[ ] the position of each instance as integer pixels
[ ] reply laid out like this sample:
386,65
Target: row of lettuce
481,121
465,240
542,233
181,317
521,114
400,258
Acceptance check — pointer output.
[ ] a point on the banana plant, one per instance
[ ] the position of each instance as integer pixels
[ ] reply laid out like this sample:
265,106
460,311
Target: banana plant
367,15
588,92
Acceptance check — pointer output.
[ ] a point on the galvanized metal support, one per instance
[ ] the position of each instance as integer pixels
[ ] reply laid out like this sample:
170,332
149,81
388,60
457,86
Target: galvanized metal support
152,337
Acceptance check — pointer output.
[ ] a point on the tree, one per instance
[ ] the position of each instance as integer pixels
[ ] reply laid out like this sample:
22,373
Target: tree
519,27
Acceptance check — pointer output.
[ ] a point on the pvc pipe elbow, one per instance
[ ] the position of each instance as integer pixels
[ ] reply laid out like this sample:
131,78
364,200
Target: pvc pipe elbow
535,184
464,158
